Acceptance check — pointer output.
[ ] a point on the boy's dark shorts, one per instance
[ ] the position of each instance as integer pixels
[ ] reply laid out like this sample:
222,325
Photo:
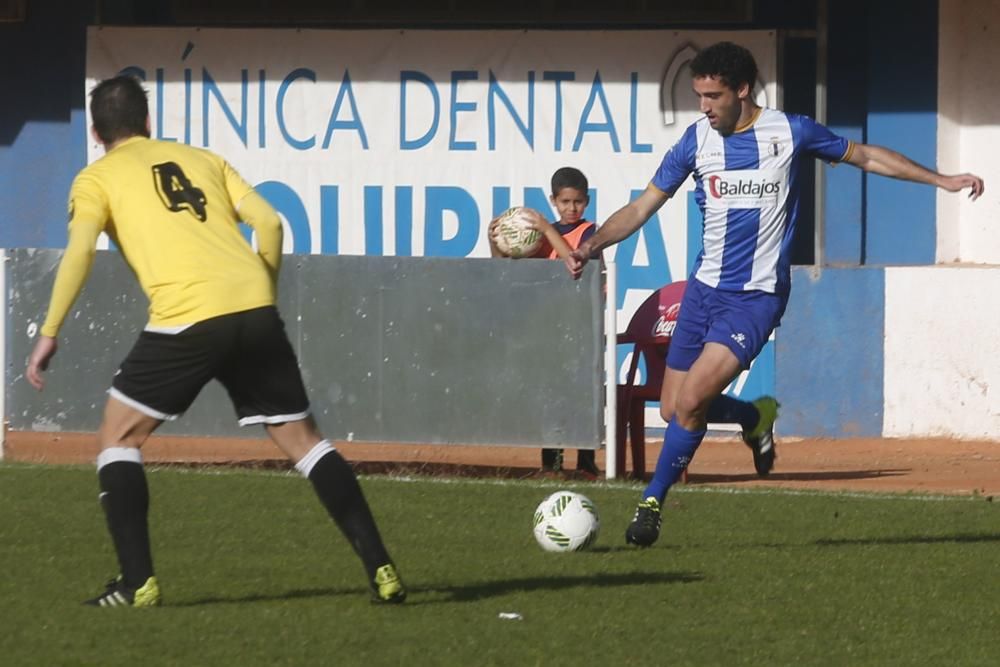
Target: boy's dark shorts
248,352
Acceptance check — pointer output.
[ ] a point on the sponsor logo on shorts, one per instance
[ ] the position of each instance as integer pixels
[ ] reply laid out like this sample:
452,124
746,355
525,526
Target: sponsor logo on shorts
740,339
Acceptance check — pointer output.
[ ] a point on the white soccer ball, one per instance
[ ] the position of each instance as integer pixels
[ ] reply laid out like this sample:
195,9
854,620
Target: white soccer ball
566,521
513,235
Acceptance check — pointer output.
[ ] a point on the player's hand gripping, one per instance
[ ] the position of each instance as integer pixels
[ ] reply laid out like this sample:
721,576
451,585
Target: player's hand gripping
959,182
578,259
39,360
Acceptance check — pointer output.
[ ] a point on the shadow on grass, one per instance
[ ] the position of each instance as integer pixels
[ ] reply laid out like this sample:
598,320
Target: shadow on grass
961,538
472,591
831,475
301,594
488,589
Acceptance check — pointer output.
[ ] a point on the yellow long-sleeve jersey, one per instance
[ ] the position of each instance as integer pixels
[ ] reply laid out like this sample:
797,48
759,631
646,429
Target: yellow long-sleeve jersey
172,210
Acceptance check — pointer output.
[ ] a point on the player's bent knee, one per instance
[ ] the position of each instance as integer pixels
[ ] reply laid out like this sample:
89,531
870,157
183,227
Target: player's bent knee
124,426
295,438
690,409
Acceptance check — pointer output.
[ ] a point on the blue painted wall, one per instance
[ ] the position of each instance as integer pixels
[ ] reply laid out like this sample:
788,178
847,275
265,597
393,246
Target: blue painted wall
42,122
847,101
829,353
902,103
882,89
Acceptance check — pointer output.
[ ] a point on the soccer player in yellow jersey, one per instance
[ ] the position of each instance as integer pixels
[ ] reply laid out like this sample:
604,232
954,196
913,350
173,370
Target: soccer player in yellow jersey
173,211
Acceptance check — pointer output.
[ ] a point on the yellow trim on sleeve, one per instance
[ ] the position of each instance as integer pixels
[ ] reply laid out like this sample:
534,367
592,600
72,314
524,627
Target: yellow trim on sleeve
848,153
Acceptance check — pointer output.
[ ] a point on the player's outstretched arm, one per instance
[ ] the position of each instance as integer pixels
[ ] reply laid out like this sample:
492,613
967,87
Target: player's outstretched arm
622,224
887,162
70,278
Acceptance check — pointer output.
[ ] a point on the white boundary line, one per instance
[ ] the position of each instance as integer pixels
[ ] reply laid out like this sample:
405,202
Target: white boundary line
633,487
630,487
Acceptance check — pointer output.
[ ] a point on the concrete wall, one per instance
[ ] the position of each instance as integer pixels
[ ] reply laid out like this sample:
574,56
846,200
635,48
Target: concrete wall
969,127
941,361
829,353
895,352
392,349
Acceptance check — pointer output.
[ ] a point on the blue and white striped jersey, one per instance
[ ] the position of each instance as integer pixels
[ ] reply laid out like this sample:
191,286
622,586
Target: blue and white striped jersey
747,187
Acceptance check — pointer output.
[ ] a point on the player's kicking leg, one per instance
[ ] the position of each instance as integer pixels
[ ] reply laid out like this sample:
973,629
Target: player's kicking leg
690,393
338,489
757,420
125,500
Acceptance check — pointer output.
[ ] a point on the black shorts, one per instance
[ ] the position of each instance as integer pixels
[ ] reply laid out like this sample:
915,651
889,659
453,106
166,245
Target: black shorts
248,352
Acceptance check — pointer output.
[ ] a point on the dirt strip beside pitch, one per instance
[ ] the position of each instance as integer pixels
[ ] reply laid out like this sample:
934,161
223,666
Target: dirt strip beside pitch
857,464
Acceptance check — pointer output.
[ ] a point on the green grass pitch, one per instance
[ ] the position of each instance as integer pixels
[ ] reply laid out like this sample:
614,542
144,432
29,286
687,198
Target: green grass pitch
254,573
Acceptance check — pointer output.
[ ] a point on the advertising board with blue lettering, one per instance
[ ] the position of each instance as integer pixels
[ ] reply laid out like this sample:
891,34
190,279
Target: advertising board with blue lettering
400,142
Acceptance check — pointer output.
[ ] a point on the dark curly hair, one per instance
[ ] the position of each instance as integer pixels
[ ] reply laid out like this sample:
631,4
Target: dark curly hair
118,108
730,63
568,177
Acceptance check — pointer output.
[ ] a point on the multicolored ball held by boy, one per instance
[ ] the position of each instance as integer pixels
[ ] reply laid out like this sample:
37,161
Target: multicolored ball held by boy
514,235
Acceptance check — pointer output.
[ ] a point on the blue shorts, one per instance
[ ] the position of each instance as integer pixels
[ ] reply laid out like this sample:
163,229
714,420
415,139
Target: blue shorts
742,321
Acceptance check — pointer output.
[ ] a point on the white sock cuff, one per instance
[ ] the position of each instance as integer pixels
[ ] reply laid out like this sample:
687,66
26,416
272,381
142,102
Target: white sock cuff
309,461
114,454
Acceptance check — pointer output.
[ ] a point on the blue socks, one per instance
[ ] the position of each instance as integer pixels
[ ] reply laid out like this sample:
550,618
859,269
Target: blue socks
679,446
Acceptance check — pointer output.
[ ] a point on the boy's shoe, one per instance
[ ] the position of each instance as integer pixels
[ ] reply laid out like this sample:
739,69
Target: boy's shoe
645,526
586,464
387,587
761,439
120,595
552,460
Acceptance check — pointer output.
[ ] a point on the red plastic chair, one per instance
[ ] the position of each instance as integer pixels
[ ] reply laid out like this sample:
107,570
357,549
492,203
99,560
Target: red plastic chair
649,332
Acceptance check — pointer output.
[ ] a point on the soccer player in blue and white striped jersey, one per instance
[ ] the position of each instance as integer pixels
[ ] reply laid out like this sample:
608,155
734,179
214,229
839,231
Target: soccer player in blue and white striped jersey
745,161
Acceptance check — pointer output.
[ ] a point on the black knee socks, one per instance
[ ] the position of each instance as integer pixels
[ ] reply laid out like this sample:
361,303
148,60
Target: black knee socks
125,500
341,495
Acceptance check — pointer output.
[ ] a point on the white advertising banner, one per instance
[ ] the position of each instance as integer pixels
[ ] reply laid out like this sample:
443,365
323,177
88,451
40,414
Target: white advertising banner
400,142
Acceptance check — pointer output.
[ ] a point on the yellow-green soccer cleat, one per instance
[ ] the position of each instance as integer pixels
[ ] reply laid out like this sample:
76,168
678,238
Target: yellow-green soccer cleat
387,586
761,439
120,595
